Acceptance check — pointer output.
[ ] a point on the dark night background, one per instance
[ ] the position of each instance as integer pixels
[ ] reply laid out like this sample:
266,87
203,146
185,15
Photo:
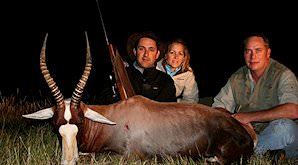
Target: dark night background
213,30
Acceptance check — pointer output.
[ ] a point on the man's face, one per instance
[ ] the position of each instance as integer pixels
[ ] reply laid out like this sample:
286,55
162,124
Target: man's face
256,54
146,53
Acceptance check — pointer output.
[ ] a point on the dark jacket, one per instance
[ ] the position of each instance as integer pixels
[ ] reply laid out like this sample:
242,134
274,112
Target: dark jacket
153,84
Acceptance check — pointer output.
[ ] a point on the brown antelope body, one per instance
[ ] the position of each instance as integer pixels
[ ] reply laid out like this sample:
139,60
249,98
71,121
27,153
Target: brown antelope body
142,127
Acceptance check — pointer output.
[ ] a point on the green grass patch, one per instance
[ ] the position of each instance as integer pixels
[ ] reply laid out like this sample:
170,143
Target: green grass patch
32,142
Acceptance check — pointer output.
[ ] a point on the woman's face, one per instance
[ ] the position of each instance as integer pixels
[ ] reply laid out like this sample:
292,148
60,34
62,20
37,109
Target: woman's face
175,55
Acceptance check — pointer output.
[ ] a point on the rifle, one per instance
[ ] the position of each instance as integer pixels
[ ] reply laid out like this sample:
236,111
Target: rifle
122,80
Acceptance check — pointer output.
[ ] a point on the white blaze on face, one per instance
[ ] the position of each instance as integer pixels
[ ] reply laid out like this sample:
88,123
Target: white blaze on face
67,114
70,153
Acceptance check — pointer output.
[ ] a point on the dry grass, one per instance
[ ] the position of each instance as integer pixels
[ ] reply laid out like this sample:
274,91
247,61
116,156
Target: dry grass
31,142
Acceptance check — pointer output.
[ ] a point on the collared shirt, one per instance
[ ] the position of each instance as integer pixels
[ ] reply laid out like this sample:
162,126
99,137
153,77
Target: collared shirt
287,91
170,72
138,67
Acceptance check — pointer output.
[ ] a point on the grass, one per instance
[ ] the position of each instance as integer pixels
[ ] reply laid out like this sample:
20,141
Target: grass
31,142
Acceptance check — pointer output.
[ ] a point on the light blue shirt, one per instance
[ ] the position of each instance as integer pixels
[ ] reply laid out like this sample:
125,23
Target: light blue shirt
169,71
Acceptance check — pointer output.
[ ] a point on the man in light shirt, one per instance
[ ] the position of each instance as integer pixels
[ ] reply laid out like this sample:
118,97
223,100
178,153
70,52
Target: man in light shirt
264,93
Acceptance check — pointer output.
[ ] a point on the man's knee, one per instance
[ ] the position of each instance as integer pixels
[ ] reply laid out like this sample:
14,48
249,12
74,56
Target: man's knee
283,125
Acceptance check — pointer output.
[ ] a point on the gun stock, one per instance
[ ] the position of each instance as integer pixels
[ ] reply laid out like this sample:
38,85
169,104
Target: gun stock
122,80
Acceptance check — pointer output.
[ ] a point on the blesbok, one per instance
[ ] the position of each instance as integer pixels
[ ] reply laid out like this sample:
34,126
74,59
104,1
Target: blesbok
141,127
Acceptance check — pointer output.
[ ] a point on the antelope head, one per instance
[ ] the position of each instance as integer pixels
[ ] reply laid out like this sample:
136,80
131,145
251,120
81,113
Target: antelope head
67,114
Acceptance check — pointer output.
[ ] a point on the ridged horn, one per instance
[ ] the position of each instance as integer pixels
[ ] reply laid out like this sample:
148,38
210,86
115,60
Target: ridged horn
46,74
77,93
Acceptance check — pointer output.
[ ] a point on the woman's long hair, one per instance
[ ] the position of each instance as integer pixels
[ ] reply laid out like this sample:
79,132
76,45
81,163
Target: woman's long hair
185,66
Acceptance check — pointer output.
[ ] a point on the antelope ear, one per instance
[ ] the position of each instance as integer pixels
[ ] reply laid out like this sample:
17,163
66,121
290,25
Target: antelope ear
94,116
41,114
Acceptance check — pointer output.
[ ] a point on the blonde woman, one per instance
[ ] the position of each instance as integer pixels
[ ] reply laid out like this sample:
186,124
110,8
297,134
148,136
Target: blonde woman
176,64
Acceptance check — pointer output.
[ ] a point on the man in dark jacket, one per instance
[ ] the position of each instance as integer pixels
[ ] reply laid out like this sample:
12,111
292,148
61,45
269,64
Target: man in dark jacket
144,50
146,80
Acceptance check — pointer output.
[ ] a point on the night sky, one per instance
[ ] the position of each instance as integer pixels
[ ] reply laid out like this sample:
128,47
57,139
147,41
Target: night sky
213,30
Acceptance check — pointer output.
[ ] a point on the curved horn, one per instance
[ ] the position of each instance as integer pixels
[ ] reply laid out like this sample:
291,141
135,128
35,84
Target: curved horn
77,94
46,74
